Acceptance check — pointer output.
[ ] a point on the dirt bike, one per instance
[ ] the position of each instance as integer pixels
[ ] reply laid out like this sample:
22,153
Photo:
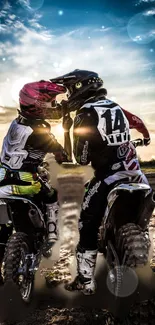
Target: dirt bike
26,244
123,236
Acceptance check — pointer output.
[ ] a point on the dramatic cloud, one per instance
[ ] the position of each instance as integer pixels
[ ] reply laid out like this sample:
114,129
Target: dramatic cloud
39,53
150,12
120,49
145,1
31,4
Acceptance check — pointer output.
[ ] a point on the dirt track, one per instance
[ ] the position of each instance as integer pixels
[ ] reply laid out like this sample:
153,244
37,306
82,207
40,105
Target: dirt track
53,305
56,306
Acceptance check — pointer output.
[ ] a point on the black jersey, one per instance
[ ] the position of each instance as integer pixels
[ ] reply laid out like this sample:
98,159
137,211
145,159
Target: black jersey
102,137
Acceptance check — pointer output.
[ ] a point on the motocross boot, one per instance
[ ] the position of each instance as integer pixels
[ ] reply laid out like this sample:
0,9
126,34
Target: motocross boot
51,224
84,281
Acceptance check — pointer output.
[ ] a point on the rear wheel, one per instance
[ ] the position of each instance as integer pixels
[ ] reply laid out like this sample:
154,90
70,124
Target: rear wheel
16,265
131,249
114,279
132,245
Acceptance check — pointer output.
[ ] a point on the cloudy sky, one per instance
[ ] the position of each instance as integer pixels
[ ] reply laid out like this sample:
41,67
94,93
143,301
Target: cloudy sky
41,39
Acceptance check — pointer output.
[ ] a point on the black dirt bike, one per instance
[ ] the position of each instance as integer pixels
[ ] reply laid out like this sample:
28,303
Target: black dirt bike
123,236
26,244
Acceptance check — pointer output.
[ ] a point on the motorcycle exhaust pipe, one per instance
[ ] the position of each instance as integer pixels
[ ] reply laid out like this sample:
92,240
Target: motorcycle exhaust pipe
35,218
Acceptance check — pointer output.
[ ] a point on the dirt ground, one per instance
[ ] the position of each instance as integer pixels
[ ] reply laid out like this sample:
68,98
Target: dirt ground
52,304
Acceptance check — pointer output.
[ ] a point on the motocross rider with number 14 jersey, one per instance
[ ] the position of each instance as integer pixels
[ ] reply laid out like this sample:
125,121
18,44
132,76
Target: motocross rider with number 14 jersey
101,136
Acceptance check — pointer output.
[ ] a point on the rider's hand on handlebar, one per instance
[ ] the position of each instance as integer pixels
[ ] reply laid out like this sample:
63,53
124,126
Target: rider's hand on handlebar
147,141
61,156
138,143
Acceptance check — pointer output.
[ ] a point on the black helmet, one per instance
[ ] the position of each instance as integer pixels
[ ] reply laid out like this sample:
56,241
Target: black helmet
81,85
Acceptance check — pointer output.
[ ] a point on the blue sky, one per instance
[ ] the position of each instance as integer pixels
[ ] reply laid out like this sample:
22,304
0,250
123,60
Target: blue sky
41,39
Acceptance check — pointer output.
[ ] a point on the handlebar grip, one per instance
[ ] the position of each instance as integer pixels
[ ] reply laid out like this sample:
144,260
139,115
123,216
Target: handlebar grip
138,143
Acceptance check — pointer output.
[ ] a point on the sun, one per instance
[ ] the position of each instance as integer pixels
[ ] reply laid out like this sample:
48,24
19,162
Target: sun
18,84
58,130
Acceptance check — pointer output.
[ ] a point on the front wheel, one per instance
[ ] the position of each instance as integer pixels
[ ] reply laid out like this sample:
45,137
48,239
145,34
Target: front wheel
16,264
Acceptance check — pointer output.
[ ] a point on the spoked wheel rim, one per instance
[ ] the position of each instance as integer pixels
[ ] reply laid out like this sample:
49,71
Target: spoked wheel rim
24,280
115,271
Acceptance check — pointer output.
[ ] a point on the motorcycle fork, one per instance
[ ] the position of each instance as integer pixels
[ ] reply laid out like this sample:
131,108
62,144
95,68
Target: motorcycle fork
31,264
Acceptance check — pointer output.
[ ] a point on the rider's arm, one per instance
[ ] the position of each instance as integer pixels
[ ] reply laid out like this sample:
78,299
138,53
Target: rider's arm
68,145
67,124
136,123
81,138
45,141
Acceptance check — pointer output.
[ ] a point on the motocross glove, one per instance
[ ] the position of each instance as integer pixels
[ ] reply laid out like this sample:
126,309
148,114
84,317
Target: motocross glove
64,107
67,123
147,141
61,156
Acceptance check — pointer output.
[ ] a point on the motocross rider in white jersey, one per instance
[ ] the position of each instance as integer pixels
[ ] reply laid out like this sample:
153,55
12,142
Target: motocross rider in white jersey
25,145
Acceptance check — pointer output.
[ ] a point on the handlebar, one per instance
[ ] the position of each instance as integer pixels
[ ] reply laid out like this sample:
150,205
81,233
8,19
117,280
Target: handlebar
138,143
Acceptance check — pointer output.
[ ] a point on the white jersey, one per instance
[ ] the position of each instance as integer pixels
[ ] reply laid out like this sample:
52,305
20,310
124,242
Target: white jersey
26,144
13,153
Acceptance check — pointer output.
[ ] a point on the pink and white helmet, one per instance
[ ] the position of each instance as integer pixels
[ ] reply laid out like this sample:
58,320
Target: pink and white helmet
37,100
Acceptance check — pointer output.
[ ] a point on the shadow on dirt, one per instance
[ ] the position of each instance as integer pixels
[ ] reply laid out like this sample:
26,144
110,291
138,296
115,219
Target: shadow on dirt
54,305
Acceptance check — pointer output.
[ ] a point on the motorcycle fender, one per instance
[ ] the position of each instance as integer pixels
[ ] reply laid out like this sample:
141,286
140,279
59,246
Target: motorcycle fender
4,218
111,199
